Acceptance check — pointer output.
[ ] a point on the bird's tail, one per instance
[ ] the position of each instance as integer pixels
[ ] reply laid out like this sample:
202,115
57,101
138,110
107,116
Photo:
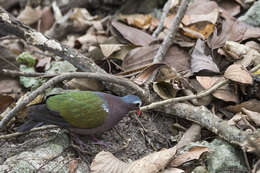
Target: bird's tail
28,125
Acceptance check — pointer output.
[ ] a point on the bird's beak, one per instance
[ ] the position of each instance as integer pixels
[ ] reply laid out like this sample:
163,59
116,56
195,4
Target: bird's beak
138,112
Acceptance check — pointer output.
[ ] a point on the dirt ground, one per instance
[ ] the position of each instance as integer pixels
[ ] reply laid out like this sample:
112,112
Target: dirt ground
131,140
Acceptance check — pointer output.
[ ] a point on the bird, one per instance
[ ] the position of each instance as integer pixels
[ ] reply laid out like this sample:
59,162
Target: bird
82,112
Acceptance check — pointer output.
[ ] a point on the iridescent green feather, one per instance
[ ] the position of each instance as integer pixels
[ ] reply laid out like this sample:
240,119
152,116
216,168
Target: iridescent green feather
82,109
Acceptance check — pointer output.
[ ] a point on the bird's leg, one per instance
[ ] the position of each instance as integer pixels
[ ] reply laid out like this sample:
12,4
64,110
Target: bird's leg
100,142
76,138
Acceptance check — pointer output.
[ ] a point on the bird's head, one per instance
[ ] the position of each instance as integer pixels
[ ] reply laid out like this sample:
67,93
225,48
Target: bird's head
134,101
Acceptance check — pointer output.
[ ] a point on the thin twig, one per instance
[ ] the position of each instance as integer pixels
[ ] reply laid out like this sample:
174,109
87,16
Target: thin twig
14,73
16,134
101,77
167,42
165,11
246,160
179,99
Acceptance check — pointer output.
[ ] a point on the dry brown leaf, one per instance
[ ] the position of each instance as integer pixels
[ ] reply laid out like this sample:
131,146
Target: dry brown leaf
133,35
199,20
200,30
210,17
81,18
231,7
109,49
92,37
247,54
252,105
47,19
238,73
43,64
165,73
176,58
29,15
254,116
9,86
196,86
142,21
224,93
164,89
145,75
201,62
5,101
196,7
192,154
105,162
232,30
73,166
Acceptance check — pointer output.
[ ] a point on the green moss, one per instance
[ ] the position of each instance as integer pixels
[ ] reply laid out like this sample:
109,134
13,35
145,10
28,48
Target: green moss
27,59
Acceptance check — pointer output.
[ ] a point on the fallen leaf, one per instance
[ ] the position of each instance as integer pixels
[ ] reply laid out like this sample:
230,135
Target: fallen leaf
43,64
224,93
5,101
164,89
47,19
252,105
202,62
29,15
143,21
73,166
231,7
176,58
147,72
133,35
105,162
199,20
231,30
254,116
109,49
200,30
194,153
9,86
238,51
210,17
91,37
238,73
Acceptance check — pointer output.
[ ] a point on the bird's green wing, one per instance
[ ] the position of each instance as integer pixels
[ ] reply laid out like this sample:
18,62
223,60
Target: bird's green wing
82,109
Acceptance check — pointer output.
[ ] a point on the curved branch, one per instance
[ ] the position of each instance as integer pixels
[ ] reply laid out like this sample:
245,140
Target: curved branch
102,77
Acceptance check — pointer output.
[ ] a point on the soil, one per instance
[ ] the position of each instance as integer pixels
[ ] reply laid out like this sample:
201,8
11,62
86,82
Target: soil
131,140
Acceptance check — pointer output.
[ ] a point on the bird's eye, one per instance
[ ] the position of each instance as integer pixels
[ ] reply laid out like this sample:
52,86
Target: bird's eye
138,104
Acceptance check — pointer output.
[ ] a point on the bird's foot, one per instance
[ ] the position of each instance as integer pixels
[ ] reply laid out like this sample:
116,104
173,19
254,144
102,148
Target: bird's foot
77,140
100,142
